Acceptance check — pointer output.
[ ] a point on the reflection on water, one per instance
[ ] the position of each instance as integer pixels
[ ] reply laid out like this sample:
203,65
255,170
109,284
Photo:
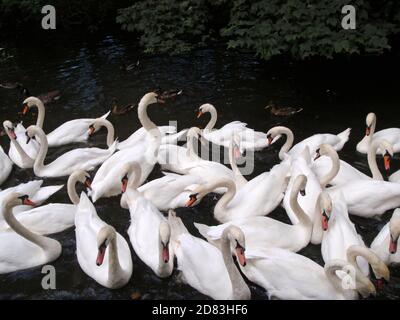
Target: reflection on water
334,97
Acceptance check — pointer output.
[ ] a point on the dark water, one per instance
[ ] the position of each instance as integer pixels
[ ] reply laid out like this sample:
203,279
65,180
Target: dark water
334,96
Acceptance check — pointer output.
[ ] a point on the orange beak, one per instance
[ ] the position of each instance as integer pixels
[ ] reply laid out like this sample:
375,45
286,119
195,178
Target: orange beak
392,246
100,255
269,139
91,130
199,114
241,256
324,221
29,202
237,153
165,254
124,185
368,131
190,202
88,183
25,109
386,161
12,134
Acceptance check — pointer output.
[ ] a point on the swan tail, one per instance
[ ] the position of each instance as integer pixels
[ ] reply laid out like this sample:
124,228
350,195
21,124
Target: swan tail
106,115
176,225
344,137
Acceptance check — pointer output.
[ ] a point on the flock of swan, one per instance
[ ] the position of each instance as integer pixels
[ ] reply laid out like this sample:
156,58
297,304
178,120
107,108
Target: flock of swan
317,190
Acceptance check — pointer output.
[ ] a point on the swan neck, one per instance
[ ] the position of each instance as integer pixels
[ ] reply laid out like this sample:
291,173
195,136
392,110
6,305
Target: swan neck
114,268
191,148
227,197
334,169
71,189
110,131
288,143
41,114
43,147
297,209
134,181
373,166
213,120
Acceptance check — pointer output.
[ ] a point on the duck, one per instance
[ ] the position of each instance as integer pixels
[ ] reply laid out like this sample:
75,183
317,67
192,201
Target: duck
54,217
259,197
313,142
5,166
118,110
370,198
267,232
106,182
77,159
290,276
32,249
385,243
149,231
21,153
168,192
129,67
392,135
282,111
46,98
250,139
195,256
72,131
102,253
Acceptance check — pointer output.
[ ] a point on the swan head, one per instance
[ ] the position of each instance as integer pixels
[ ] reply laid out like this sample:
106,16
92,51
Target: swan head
237,241
129,170
207,107
325,204
10,129
16,199
299,185
30,102
394,230
273,135
165,235
104,238
151,98
194,132
97,124
32,131
235,145
371,118
82,177
324,150
387,152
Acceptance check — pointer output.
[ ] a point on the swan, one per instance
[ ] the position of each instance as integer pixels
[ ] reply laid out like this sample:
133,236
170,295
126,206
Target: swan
385,243
392,135
103,254
263,232
339,233
21,248
139,136
54,217
168,192
5,166
107,181
23,154
69,132
207,269
250,139
258,197
313,142
66,164
369,198
149,230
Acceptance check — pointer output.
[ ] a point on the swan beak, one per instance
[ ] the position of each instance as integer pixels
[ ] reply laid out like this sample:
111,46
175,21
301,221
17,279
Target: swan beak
386,160
100,255
368,131
25,109
12,134
237,153
325,220
29,202
91,130
269,137
380,283
160,100
124,185
199,114
318,155
88,183
191,201
240,255
392,246
165,253
303,192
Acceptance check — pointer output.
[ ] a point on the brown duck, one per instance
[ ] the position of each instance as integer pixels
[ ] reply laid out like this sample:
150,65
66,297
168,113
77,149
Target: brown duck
118,110
282,111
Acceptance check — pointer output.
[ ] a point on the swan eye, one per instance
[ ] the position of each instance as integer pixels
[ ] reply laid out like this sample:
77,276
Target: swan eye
238,246
325,215
24,197
193,196
124,178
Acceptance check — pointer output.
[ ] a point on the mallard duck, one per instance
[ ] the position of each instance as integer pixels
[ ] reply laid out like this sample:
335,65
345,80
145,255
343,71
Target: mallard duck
118,110
168,94
46,98
282,111
129,67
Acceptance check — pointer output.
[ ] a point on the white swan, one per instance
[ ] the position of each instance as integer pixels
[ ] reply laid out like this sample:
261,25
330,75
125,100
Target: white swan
369,198
207,269
54,217
149,230
69,132
313,142
103,254
392,135
339,233
76,159
20,248
258,197
168,192
5,166
107,181
385,243
264,232
288,275
249,138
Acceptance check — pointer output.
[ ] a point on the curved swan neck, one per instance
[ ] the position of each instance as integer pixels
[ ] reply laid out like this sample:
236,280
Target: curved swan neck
15,225
71,189
332,154
294,204
151,128
373,166
317,232
136,171
39,161
232,162
239,286
213,120
228,196
330,272
288,143
192,146
110,130
114,267
41,113
359,251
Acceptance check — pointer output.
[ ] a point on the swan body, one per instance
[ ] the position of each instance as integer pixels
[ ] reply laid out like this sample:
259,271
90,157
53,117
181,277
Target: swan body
77,159
392,135
21,248
72,131
103,254
313,142
264,232
196,258
5,166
